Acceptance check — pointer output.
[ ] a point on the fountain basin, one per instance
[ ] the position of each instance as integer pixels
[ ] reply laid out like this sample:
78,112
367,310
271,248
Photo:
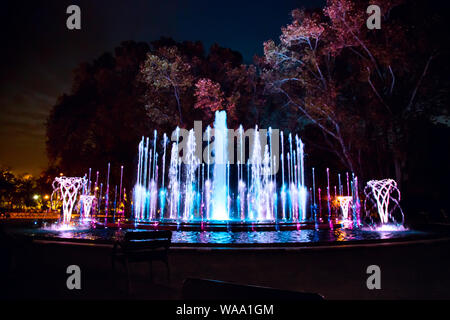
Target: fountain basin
303,237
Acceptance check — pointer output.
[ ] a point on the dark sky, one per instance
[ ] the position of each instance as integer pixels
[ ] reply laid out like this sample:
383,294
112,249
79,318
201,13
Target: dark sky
39,53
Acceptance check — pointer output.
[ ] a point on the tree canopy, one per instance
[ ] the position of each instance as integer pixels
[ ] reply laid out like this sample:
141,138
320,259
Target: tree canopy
355,95
362,88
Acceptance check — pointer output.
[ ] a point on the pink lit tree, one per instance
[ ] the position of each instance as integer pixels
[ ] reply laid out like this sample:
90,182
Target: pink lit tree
210,99
360,87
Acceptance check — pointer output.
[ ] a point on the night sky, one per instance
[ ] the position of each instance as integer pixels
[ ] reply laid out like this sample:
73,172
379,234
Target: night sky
39,53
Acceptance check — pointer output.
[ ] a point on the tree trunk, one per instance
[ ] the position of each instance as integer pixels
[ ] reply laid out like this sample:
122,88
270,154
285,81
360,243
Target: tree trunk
177,97
398,171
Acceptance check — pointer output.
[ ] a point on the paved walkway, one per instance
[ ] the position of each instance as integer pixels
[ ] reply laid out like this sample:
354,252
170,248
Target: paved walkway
415,271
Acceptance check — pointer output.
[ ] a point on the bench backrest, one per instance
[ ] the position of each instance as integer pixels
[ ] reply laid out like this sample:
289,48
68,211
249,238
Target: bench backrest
146,240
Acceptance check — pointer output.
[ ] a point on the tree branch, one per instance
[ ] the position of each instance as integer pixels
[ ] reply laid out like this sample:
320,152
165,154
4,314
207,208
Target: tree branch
376,92
393,80
302,109
409,107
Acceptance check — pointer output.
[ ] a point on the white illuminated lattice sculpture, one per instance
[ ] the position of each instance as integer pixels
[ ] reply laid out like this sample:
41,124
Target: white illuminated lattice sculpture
344,203
69,188
87,201
381,192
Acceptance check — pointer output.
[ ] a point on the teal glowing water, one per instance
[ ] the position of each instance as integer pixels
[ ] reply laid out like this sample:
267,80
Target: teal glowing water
239,237
211,187
220,210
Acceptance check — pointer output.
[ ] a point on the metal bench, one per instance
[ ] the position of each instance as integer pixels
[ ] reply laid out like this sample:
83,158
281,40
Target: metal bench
142,246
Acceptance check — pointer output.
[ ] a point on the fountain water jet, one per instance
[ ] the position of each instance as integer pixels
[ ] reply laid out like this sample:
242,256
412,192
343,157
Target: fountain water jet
250,191
86,201
68,188
344,203
385,197
219,186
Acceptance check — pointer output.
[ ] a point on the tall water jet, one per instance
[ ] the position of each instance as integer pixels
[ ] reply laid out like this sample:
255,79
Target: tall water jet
174,187
302,190
192,163
107,193
120,187
219,186
255,205
283,187
162,193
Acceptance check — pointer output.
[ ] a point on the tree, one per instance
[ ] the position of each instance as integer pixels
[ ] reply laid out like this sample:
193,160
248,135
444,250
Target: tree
7,187
210,99
118,98
25,189
102,119
360,87
173,71
167,70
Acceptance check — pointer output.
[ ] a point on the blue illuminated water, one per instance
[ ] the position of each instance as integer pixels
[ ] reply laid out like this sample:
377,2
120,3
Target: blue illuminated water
338,235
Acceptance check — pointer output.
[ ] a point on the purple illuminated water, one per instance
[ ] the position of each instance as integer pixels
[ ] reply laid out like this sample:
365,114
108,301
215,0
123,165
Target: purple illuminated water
302,237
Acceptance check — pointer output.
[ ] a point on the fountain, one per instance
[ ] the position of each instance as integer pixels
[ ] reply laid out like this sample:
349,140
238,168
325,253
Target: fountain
190,183
68,188
383,202
191,179
344,203
221,191
86,201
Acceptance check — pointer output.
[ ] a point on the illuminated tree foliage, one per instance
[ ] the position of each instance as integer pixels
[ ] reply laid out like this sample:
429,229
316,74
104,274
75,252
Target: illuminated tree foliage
362,95
179,76
360,87
120,97
210,99
17,191
167,71
102,117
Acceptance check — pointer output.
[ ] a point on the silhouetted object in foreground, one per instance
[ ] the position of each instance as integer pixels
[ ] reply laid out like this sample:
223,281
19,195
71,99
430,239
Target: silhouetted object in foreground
204,289
11,247
145,246
6,252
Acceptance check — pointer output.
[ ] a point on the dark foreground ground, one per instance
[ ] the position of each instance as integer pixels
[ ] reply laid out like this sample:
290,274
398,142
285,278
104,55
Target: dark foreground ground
419,270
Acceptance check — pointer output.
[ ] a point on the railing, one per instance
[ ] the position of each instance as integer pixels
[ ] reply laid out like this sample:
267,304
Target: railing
46,215
29,215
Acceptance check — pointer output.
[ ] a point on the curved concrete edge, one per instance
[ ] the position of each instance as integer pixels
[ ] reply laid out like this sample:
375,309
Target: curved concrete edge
265,248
